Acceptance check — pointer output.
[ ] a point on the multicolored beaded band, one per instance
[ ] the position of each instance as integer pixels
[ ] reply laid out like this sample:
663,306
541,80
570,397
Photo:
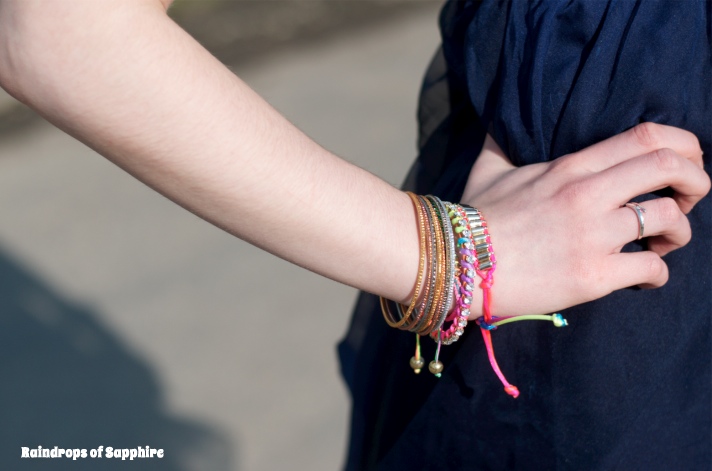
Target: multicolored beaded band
461,312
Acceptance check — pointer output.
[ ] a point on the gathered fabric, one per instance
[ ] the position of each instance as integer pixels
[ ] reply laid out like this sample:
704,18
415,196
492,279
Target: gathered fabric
628,384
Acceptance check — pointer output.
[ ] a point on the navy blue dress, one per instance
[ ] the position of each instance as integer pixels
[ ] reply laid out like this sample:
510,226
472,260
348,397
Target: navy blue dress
627,385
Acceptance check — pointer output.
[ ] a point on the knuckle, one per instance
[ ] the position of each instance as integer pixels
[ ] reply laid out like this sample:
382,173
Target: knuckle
576,192
565,164
686,234
648,135
695,141
655,269
685,231
690,144
587,277
666,160
668,212
707,184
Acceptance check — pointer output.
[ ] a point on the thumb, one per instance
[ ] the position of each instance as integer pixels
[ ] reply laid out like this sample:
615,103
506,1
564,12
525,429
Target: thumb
490,165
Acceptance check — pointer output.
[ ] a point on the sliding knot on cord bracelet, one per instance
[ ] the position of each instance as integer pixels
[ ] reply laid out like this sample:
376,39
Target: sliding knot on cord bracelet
484,325
485,265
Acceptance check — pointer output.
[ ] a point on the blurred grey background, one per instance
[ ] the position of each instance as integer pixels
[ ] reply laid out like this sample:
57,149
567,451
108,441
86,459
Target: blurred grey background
126,321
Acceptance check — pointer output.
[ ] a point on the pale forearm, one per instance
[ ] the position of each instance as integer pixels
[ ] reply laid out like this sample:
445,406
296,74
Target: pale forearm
124,79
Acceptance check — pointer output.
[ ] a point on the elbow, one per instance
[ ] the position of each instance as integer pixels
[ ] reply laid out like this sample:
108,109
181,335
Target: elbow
39,39
12,48
33,35
166,3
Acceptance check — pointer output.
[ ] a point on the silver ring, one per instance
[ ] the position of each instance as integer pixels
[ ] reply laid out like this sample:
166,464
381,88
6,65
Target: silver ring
639,211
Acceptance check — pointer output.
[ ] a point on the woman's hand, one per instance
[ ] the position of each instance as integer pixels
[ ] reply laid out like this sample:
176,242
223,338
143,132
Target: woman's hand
558,227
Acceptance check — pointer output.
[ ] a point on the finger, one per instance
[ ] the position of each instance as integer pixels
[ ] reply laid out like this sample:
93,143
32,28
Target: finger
641,139
645,269
653,171
663,223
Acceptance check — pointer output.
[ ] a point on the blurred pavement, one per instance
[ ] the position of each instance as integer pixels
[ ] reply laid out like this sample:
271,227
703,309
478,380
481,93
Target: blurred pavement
127,321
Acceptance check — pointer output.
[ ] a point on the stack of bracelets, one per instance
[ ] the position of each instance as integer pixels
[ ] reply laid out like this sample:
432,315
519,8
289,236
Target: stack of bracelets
455,248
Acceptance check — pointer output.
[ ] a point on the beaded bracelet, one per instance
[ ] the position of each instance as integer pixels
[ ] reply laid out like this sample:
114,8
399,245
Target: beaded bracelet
450,259
461,312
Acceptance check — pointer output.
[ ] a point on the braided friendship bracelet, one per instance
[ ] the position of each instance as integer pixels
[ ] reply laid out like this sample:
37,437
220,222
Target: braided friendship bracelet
484,264
455,248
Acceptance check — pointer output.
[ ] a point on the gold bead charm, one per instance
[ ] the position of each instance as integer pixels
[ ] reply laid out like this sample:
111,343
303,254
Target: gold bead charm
435,368
417,364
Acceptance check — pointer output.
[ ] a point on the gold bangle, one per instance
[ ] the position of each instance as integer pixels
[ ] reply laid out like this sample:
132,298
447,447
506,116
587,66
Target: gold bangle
439,283
426,299
421,269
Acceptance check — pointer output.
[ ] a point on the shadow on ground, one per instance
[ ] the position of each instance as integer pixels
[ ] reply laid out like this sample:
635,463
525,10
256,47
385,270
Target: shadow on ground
66,381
